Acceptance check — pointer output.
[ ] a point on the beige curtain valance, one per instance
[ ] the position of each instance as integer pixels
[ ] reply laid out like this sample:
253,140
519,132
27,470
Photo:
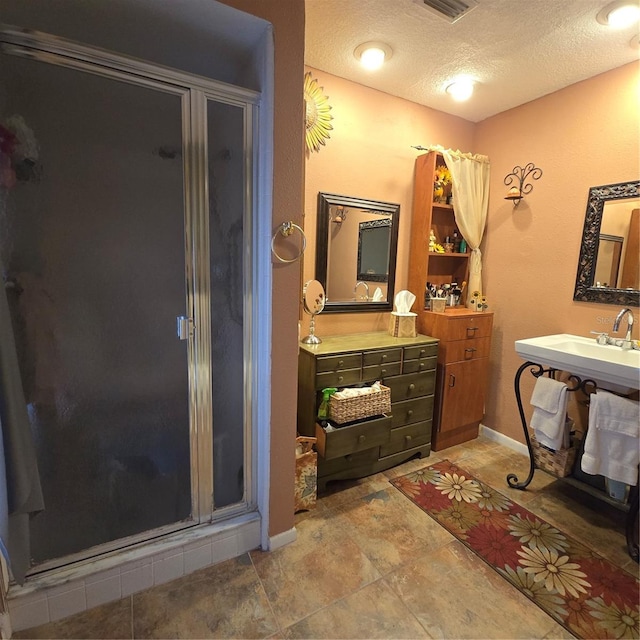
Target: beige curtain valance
469,156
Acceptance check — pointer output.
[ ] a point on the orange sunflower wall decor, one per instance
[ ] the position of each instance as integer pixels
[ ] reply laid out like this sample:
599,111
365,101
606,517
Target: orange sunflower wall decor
317,117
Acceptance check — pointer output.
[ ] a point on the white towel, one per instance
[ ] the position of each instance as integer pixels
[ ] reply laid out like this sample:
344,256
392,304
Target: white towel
377,295
549,400
611,447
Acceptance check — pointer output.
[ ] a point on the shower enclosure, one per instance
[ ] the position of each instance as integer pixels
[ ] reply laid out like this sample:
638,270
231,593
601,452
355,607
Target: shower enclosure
125,236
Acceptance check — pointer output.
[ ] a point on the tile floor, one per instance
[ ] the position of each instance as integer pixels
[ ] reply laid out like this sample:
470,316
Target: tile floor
367,563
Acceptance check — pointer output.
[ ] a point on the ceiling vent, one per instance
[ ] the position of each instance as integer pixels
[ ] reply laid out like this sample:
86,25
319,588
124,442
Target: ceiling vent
450,10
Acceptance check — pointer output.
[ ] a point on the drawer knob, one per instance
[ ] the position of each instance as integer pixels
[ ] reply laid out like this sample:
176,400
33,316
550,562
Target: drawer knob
361,439
340,363
422,365
340,378
412,387
383,371
384,356
423,351
409,413
407,439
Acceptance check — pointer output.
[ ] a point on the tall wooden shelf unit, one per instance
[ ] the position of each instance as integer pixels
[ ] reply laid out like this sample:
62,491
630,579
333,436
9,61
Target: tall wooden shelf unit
465,335
425,266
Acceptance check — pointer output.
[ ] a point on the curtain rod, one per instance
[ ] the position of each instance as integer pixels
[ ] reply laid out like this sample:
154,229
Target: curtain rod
440,149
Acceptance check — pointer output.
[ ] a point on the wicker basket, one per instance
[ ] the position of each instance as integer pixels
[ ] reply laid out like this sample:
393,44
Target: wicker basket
360,407
557,463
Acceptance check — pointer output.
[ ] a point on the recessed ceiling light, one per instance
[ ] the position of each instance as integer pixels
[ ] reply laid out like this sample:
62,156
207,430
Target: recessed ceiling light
460,89
372,55
619,14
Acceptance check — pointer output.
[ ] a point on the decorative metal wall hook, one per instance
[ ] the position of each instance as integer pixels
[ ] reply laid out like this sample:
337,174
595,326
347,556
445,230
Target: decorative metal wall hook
339,215
518,176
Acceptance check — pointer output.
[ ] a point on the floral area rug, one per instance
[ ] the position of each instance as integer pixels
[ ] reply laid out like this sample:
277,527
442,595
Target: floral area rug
584,592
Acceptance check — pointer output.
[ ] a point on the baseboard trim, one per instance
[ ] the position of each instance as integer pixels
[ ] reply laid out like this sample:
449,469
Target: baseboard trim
282,539
500,438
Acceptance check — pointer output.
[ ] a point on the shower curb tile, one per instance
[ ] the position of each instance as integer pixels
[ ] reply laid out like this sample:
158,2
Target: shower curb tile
103,591
194,545
138,579
197,557
67,603
167,569
248,539
31,611
102,575
65,587
224,549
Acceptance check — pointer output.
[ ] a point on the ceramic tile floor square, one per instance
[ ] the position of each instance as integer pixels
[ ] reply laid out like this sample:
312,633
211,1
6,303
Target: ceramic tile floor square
367,563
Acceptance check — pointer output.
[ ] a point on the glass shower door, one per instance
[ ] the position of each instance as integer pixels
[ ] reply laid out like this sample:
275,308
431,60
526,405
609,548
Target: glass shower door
92,241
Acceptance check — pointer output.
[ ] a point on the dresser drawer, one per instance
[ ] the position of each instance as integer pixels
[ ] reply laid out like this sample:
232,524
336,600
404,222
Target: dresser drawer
379,372
460,350
412,385
337,363
424,364
410,411
338,378
421,351
468,327
351,460
381,356
413,435
357,437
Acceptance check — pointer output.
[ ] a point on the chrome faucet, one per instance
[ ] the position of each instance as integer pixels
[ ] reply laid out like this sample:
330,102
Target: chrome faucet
626,344
366,288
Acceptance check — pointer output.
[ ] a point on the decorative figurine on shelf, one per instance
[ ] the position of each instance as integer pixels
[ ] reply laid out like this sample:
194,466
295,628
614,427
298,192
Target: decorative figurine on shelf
434,247
432,241
441,179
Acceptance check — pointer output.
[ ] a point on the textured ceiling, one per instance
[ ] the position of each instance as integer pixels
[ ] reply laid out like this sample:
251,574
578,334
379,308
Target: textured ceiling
517,50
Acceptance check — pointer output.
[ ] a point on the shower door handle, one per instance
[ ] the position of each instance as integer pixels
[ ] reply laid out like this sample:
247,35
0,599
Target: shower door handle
184,327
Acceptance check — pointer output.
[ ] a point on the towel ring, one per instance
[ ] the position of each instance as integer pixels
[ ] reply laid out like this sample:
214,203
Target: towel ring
286,229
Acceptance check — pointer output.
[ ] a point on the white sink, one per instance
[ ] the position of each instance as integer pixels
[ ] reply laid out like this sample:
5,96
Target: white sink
609,366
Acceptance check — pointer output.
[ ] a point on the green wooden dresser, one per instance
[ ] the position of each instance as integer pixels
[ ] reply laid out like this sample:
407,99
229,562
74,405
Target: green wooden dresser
406,365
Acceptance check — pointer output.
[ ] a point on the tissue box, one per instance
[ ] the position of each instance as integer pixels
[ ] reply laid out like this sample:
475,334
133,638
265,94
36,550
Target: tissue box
402,325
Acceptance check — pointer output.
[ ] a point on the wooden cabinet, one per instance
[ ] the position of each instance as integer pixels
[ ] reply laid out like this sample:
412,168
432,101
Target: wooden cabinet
462,373
406,365
426,266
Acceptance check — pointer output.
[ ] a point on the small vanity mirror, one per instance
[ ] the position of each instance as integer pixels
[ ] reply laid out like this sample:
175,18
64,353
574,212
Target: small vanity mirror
357,241
313,301
608,267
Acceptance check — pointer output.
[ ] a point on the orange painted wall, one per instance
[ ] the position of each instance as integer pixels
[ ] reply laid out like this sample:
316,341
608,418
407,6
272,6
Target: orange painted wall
369,155
581,136
287,18
585,135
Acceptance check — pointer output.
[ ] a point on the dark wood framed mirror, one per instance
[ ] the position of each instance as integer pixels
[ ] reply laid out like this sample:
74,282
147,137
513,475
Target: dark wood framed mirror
357,243
612,210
